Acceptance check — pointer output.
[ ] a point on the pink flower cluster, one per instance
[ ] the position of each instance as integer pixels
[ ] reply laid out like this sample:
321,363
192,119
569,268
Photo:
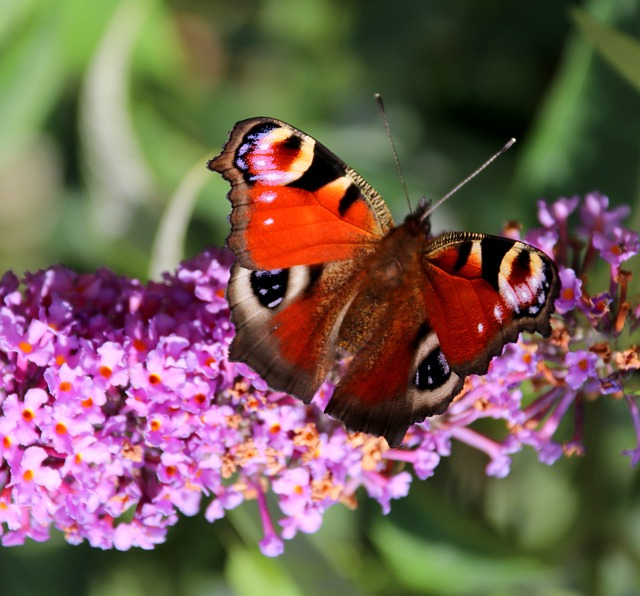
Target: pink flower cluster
120,409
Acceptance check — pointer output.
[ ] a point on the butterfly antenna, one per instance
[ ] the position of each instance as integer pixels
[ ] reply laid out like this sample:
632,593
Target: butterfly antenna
378,99
468,178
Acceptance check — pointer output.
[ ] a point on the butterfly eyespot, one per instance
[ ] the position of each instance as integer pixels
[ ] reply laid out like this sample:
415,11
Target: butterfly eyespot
433,371
525,293
292,142
241,164
509,296
258,131
270,287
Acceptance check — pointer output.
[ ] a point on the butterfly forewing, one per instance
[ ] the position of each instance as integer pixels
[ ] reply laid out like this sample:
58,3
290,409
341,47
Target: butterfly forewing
482,291
293,201
287,322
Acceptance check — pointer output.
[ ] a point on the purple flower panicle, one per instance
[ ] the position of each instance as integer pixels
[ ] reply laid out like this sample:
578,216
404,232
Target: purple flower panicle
120,410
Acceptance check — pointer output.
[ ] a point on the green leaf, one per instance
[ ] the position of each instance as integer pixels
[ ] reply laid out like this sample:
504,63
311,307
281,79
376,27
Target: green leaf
31,79
443,568
169,241
303,568
14,16
621,51
249,572
632,384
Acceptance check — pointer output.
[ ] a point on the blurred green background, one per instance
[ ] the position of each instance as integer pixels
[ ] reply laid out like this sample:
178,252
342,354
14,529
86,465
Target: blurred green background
108,112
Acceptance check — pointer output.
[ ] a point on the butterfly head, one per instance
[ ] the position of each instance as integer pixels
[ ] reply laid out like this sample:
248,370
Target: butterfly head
421,217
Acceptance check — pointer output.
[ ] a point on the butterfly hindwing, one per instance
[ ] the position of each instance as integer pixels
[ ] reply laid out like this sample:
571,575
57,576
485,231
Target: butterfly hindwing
293,201
287,322
398,377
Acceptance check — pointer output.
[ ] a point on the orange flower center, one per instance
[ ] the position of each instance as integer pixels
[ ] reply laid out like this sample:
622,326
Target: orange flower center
139,345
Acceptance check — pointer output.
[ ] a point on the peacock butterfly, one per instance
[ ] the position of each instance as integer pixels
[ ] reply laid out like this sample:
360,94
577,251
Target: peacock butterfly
322,274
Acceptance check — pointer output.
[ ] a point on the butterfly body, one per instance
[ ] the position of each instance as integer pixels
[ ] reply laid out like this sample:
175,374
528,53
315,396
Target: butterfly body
322,274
